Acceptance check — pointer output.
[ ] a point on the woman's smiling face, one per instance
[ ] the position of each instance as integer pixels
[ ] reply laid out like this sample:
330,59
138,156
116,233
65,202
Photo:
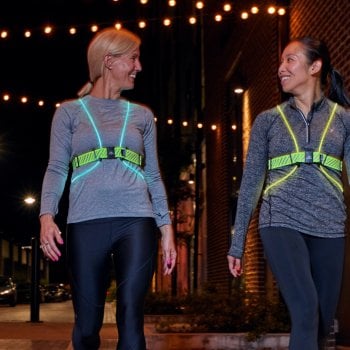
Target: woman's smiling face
124,69
295,71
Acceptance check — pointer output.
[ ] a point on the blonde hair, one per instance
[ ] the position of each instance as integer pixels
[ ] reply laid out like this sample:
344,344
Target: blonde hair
110,41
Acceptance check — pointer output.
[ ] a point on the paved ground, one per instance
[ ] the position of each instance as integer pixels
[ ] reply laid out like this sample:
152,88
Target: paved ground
54,330
53,336
45,335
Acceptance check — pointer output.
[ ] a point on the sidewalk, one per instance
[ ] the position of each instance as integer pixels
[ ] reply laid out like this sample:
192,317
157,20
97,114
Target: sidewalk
46,336
56,336
55,331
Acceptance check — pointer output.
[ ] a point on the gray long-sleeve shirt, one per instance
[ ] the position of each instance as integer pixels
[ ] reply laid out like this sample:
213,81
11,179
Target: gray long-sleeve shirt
307,201
109,187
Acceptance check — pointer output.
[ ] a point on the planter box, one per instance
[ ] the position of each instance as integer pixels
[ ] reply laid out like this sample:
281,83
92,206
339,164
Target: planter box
215,341
180,340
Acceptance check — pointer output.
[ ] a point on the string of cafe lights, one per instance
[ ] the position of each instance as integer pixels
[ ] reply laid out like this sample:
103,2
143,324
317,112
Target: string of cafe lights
41,103
218,16
50,30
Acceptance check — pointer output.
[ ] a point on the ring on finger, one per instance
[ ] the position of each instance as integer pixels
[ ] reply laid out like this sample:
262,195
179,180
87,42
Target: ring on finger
45,245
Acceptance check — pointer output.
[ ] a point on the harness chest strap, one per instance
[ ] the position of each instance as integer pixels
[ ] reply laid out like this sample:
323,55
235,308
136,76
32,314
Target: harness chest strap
306,157
107,153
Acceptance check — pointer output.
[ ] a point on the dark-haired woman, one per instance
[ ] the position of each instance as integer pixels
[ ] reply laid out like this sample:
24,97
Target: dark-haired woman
294,165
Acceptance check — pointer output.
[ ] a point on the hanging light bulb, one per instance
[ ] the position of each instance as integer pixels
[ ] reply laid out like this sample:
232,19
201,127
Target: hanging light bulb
142,24
254,10
118,26
271,10
227,7
199,5
192,20
94,28
72,30
167,22
244,15
218,17
48,30
4,34
281,11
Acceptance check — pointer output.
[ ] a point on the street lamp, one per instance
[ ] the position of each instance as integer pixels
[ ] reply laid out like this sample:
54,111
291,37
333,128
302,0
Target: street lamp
29,200
35,278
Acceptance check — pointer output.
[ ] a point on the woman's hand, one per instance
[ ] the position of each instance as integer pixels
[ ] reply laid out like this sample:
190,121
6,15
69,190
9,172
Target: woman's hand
235,265
169,249
50,235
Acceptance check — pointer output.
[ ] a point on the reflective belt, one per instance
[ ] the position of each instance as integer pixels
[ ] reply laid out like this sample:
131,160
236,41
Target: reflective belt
307,157
107,153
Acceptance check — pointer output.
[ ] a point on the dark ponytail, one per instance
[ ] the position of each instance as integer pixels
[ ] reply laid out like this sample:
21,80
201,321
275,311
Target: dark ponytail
337,91
317,50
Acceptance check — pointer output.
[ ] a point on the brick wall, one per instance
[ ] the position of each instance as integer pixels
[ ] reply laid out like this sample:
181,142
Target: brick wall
258,64
328,20
257,50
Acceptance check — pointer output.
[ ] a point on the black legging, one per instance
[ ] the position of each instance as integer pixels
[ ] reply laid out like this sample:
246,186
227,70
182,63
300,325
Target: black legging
132,242
308,271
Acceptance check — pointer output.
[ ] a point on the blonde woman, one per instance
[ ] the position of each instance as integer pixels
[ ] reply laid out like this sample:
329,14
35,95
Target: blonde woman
117,197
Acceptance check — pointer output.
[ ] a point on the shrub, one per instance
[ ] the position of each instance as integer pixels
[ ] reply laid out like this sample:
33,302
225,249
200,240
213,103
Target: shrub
162,304
212,311
111,292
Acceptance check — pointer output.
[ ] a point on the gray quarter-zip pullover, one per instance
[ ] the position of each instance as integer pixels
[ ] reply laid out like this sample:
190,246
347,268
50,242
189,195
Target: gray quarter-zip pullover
109,187
307,201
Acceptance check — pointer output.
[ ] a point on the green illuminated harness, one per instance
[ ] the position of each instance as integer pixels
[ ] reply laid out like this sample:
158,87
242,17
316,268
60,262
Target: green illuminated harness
306,157
106,152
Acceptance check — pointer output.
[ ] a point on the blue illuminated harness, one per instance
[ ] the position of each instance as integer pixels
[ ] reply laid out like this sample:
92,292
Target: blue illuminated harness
102,152
106,152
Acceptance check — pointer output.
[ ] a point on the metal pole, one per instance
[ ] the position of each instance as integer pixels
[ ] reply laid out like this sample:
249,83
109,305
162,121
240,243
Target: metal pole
35,297
198,149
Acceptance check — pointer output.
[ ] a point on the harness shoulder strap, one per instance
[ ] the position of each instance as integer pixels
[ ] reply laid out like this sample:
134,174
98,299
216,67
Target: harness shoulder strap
107,152
307,157
289,128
